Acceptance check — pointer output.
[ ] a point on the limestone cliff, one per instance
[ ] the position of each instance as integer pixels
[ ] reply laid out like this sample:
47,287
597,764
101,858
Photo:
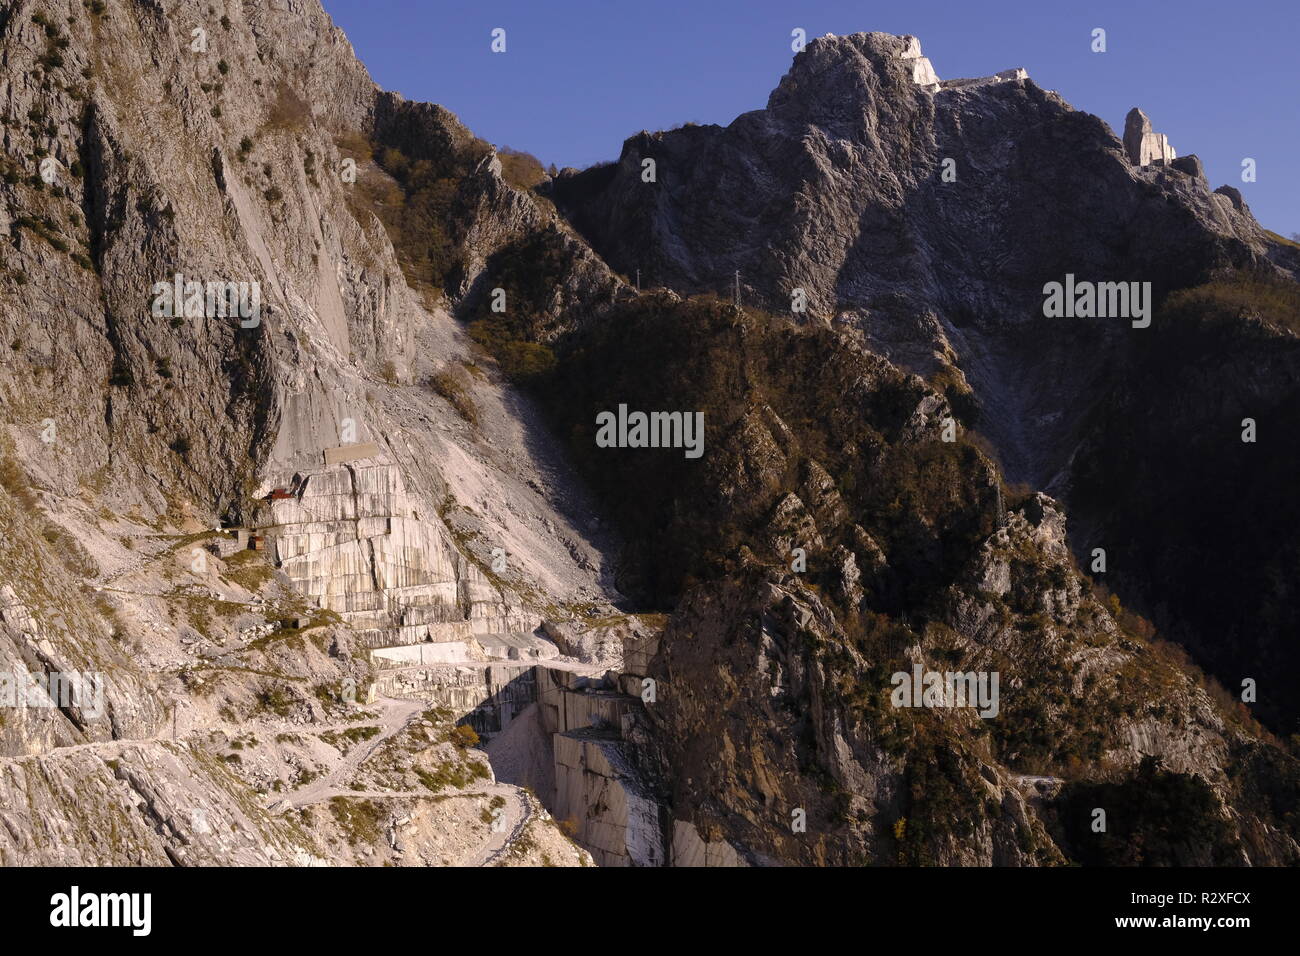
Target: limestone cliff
348,572
150,145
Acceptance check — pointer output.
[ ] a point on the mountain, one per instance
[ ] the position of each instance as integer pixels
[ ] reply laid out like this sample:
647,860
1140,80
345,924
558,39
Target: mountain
336,566
838,189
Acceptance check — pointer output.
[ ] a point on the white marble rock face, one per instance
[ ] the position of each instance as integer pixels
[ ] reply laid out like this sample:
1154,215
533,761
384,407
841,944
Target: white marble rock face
1144,145
923,74
353,538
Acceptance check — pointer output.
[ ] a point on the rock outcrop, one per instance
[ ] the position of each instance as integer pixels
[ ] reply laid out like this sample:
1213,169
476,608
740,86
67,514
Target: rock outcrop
1144,146
923,74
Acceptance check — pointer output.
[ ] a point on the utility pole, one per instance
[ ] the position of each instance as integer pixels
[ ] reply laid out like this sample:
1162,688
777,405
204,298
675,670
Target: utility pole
736,296
638,280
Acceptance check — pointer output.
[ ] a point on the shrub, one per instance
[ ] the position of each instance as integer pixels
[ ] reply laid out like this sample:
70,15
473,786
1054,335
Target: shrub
353,144
463,736
69,550
1219,588
276,700
420,218
362,820
121,376
14,480
520,169
452,384
290,111
1276,301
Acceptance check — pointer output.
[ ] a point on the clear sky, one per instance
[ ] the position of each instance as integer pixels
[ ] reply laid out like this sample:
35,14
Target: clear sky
1222,80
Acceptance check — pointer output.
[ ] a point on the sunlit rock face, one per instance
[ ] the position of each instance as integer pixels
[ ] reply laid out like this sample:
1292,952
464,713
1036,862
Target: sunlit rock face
1143,144
351,537
923,74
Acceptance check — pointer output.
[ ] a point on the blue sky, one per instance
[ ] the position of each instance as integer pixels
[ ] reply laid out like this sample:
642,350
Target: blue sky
1222,80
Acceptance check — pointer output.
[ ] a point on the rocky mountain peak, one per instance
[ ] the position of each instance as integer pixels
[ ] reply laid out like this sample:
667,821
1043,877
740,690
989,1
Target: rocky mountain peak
908,215
835,76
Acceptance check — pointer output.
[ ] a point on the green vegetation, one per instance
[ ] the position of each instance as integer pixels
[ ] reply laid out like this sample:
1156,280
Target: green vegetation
290,112
277,700
942,800
927,503
1283,239
453,773
14,480
462,736
948,383
529,271
249,569
452,383
521,170
420,207
420,212
1241,295
288,633
120,376
55,43
361,820
349,738
44,227
69,550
